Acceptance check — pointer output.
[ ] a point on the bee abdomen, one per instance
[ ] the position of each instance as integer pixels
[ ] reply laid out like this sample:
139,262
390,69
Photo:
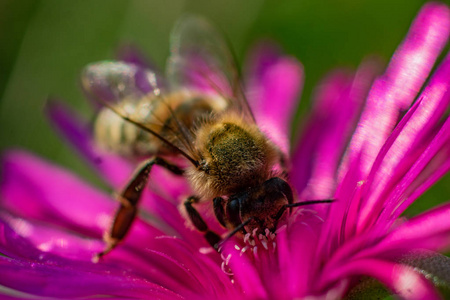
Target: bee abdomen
126,139
163,115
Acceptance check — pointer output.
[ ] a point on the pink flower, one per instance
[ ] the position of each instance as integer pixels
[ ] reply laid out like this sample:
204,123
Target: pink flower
374,148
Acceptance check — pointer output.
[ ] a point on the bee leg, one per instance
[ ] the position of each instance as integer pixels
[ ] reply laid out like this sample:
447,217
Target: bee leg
219,210
211,237
129,199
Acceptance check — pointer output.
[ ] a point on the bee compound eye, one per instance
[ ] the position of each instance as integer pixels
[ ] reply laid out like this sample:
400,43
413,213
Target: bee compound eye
233,211
233,206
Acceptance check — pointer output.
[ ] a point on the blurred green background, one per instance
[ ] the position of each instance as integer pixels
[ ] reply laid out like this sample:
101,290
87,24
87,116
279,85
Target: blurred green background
44,44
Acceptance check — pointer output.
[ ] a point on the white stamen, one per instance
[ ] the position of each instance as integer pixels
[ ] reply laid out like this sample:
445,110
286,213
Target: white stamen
246,237
318,217
205,250
227,260
226,271
95,259
244,250
281,228
45,247
264,243
308,226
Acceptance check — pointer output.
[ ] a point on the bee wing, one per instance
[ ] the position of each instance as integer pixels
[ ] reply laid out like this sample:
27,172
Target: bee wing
114,81
119,85
201,59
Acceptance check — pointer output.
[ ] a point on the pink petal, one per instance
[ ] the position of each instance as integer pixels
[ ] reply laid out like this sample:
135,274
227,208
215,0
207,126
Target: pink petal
261,58
53,239
180,268
274,84
436,157
204,260
403,151
200,267
414,59
63,282
401,279
297,250
429,230
26,192
328,130
363,223
312,176
112,168
66,202
36,189
337,240
435,173
48,275
397,88
32,241
245,273
56,243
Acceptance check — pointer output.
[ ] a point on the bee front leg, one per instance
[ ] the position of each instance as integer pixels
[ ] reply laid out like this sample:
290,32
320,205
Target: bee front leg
211,237
219,210
129,199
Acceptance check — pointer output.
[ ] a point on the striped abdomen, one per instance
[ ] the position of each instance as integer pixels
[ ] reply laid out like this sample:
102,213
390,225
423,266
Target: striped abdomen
163,115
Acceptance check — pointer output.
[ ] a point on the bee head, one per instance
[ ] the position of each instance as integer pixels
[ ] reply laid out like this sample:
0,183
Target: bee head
262,204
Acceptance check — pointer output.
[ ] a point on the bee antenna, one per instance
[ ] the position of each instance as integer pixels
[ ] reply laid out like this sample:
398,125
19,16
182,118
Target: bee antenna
219,245
187,137
297,204
309,202
145,128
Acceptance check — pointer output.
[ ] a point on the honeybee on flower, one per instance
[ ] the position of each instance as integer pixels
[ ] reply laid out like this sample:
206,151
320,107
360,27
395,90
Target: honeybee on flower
231,161
373,142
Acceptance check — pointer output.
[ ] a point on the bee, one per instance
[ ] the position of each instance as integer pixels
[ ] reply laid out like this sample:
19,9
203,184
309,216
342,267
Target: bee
202,116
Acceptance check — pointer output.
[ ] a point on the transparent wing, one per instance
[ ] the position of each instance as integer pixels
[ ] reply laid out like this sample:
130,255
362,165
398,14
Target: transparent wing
125,87
133,92
201,59
114,81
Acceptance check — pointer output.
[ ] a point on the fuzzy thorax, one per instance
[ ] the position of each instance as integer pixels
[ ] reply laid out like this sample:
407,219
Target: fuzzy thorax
234,156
